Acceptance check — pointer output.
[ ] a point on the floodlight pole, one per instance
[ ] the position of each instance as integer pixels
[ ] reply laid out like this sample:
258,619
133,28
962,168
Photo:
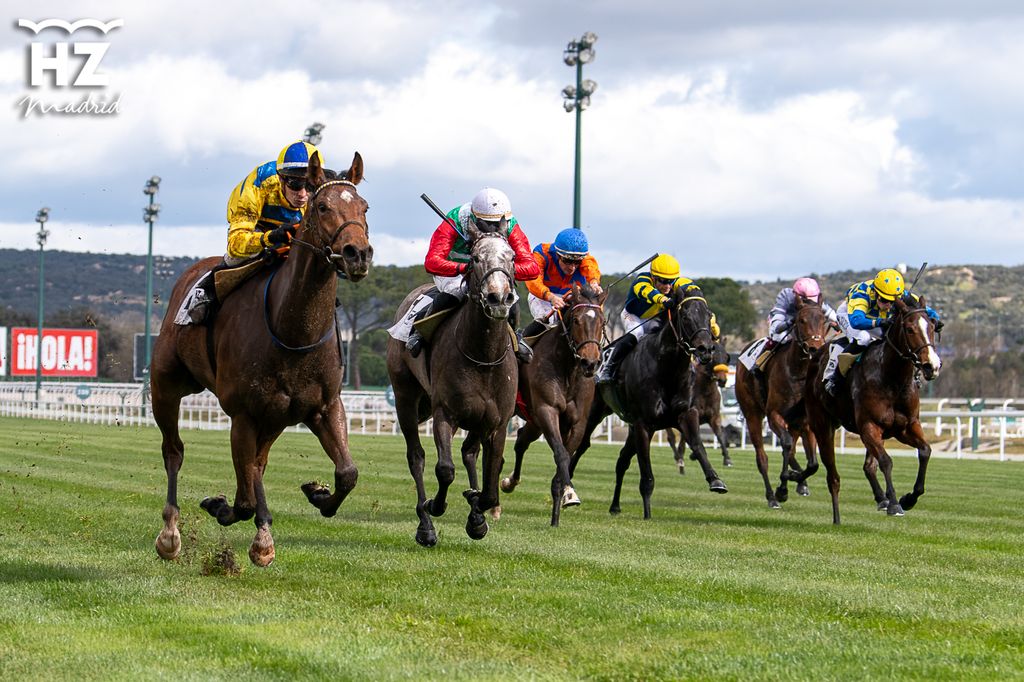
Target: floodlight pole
41,217
577,53
151,213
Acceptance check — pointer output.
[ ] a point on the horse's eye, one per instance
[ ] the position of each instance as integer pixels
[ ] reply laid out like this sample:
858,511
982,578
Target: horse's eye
322,207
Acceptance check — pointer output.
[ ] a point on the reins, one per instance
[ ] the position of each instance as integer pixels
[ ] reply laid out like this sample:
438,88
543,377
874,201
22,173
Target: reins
266,318
911,353
681,342
326,250
566,332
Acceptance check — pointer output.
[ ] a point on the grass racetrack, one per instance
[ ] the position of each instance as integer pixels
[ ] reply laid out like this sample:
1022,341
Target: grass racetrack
711,586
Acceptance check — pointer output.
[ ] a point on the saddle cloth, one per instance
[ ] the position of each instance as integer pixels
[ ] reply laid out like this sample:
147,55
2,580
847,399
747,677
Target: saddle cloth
749,356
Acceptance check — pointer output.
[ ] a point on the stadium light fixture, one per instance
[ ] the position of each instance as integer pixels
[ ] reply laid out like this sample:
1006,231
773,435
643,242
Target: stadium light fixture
313,133
150,214
577,98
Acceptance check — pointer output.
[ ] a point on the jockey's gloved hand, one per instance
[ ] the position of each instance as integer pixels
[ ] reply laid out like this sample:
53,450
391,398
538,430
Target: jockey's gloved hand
884,322
280,235
939,324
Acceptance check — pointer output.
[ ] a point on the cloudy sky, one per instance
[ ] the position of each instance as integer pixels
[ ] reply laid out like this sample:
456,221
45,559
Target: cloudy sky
750,139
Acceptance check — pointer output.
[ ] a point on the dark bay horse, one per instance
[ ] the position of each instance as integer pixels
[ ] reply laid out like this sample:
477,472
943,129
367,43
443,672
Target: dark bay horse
777,394
271,357
655,384
879,399
708,382
467,380
558,389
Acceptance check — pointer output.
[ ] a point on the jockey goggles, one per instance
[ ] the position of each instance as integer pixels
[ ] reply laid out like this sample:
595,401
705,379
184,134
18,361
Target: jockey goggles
294,184
570,260
662,280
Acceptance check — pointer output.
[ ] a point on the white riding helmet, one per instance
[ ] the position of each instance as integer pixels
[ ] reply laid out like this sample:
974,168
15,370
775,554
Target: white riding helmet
491,204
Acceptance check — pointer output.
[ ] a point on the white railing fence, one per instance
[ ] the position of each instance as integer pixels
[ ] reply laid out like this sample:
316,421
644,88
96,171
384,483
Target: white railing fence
949,424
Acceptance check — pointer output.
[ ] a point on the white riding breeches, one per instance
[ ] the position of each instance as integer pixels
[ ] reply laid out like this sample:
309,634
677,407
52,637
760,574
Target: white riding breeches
864,337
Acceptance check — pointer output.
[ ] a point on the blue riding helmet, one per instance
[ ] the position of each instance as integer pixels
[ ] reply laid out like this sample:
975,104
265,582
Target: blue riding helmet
571,244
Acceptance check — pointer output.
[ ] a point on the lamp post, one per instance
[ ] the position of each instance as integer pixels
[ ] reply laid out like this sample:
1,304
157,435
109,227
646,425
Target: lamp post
42,215
312,134
577,98
150,214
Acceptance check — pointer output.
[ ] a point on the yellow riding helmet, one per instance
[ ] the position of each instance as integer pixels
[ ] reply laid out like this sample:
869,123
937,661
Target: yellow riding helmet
889,284
665,267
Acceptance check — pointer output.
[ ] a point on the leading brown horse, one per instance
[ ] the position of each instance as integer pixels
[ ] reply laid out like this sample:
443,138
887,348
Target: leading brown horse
467,380
879,399
777,393
271,358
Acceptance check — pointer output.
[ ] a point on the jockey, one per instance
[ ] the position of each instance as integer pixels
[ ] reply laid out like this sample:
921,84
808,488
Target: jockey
448,259
644,303
783,314
263,212
865,315
564,262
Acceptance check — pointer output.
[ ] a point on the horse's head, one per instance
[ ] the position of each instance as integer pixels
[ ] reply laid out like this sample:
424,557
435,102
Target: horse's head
335,220
810,325
912,334
491,271
583,325
690,320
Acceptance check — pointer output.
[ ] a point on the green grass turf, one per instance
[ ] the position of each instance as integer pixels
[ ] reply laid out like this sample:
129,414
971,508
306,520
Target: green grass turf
711,586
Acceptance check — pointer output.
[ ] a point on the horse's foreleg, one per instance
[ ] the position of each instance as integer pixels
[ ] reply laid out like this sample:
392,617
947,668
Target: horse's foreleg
486,498
444,470
407,410
678,450
819,424
716,426
621,467
780,428
261,551
165,412
642,441
331,430
470,451
547,418
244,455
689,426
754,422
871,473
914,436
871,435
807,440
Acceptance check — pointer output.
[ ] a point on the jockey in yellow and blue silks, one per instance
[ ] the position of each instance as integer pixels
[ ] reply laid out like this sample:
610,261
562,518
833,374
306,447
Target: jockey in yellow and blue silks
864,315
265,207
263,211
644,303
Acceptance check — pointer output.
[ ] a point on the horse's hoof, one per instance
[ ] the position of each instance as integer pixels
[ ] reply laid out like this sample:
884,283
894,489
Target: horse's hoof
426,538
717,486
908,501
726,462
508,484
168,544
782,494
496,513
614,509
774,504
214,505
437,509
894,510
802,490
882,505
570,498
476,526
261,551
682,467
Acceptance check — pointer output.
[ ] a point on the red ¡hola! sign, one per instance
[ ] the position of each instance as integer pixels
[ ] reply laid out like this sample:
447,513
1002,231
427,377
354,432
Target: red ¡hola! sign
65,352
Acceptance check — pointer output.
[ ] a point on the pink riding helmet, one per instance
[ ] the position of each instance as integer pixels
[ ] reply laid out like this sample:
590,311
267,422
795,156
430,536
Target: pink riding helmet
808,288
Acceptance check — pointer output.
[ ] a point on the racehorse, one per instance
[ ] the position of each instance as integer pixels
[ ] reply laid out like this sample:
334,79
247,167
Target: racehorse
879,399
775,396
708,381
467,380
271,358
557,389
654,386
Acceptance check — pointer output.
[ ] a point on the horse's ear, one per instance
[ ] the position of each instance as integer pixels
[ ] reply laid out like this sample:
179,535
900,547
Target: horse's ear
576,290
354,174
315,172
921,302
472,231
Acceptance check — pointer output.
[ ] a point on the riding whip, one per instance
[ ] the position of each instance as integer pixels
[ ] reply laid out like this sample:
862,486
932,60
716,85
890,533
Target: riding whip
631,272
918,276
439,212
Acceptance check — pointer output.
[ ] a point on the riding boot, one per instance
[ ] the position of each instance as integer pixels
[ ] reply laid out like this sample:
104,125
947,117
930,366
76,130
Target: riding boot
831,374
534,328
523,351
440,301
202,298
619,350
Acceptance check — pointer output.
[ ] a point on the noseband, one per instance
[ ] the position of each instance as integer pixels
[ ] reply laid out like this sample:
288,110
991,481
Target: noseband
326,250
910,353
566,332
686,343
474,293
802,343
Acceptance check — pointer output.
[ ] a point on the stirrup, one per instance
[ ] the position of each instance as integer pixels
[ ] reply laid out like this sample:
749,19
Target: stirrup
523,352
415,344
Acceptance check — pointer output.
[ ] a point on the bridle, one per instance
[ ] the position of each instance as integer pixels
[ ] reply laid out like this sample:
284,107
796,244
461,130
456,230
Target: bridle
476,281
802,343
325,250
574,347
686,342
910,354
